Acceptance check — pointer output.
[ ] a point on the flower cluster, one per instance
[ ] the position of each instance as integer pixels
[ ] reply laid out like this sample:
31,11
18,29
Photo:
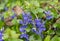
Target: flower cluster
38,24
27,19
40,27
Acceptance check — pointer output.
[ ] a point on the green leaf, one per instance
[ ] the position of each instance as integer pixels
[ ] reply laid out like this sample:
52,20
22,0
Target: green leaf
2,6
58,31
8,14
12,39
14,21
54,13
47,38
10,34
55,38
40,10
49,32
59,38
32,38
57,23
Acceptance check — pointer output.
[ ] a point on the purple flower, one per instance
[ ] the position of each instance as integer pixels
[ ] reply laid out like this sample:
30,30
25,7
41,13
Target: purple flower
29,15
41,29
39,23
22,28
21,21
38,20
27,19
49,17
1,39
47,12
24,36
26,16
35,31
1,34
30,21
40,26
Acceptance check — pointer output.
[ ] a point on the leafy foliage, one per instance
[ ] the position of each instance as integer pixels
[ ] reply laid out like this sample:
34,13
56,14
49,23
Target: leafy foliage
46,29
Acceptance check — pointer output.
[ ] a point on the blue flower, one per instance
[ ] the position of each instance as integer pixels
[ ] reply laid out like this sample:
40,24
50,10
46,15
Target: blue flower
30,21
24,36
26,16
41,29
38,22
1,34
23,22
35,31
1,39
47,12
29,15
22,28
27,19
49,17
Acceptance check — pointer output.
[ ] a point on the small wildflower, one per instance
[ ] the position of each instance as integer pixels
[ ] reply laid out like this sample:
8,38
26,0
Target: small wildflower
22,28
24,36
47,12
1,35
49,17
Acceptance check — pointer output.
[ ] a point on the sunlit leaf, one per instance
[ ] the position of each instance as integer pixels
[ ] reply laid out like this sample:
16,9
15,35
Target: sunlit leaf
47,38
